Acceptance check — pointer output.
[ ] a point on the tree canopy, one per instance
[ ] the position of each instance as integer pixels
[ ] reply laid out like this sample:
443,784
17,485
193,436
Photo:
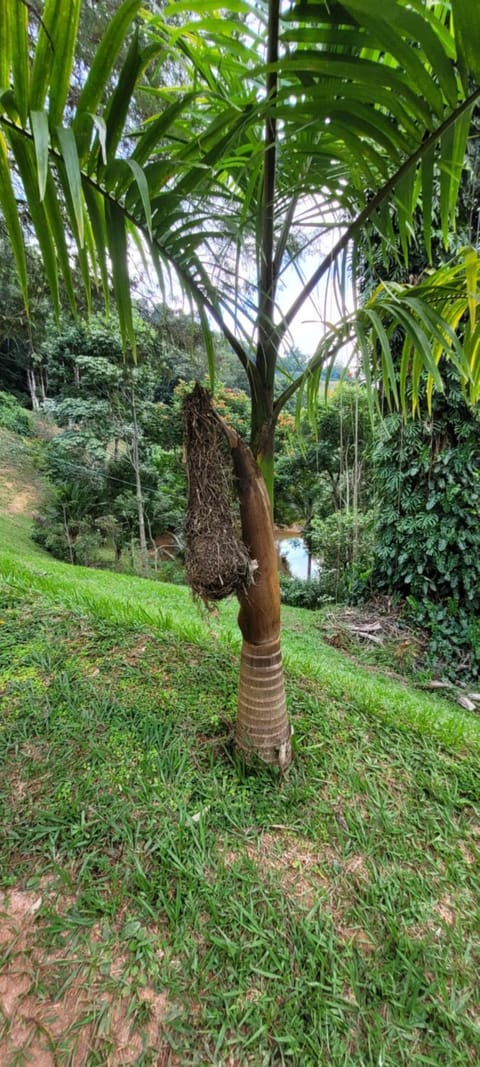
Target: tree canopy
286,126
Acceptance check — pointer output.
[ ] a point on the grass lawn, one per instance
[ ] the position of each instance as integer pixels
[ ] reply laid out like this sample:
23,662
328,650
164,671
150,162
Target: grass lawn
164,904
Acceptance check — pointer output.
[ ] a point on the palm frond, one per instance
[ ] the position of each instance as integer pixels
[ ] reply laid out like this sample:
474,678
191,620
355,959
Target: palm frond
367,126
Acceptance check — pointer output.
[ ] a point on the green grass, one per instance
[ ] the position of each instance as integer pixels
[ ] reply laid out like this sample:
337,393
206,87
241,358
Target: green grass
230,916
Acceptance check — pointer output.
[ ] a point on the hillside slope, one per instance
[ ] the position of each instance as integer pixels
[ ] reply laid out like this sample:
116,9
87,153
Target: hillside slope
21,488
131,601
162,903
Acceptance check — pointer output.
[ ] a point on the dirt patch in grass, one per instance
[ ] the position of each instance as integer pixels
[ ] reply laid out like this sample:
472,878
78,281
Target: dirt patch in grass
137,650
446,911
22,491
20,485
92,1012
297,862
25,788
470,857
356,936
23,502
445,914
309,873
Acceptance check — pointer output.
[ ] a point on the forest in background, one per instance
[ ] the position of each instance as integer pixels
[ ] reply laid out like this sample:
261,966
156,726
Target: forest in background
389,508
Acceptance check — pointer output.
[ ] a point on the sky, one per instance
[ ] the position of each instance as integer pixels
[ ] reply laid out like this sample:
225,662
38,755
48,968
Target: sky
307,329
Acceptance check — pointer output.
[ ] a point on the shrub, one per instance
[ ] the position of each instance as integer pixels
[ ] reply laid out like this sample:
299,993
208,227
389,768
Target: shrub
81,546
13,416
171,570
344,544
428,531
299,593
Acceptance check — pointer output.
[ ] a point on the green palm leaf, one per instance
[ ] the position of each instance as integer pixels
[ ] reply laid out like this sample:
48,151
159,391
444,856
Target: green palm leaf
24,155
118,250
41,140
20,60
467,35
68,148
101,69
6,28
63,28
55,215
366,124
8,206
96,214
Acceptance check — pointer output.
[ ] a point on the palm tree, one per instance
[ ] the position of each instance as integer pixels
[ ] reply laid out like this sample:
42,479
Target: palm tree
291,135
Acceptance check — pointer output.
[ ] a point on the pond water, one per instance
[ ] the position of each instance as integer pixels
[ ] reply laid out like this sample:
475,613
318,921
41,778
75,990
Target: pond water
293,550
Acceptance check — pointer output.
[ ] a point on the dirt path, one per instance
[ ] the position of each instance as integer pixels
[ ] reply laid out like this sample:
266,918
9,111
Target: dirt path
20,483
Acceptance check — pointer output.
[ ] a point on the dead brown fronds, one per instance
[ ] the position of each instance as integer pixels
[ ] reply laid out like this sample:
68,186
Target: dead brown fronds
217,561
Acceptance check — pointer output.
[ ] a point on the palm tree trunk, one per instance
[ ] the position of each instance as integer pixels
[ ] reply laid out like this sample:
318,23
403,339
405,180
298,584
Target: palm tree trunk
262,726
135,459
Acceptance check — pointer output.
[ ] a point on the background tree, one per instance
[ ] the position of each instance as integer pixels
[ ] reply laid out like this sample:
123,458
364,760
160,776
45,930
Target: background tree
427,539
326,467
21,334
111,425
426,470
282,125
324,482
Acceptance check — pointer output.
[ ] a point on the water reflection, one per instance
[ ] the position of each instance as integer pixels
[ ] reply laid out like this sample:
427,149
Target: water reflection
294,552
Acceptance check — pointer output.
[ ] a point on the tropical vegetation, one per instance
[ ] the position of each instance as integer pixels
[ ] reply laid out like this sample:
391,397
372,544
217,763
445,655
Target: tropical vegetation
286,133
427,552
161,902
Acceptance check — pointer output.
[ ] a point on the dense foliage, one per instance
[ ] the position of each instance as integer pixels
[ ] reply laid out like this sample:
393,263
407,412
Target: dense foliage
343,541
323,478
13,416
428,533
215,184
112,481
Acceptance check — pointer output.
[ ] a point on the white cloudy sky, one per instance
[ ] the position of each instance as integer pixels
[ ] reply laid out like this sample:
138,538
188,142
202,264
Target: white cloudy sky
307,329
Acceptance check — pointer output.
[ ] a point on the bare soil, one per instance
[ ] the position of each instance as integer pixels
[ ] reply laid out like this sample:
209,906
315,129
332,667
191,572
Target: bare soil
50,1014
